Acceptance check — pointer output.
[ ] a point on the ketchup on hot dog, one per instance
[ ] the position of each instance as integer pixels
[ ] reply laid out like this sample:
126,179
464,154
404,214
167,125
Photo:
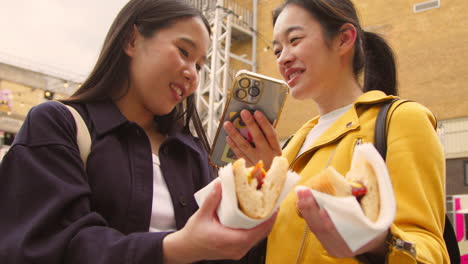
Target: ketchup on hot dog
259,173
358,189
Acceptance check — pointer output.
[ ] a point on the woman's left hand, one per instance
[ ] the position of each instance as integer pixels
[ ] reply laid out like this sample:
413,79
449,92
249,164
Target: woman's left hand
264,136
323,228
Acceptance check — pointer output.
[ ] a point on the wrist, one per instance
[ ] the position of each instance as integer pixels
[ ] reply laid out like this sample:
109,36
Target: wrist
381,245
377,254
177,249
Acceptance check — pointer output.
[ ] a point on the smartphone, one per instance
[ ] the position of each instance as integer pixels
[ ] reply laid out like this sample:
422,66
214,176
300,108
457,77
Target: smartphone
250,91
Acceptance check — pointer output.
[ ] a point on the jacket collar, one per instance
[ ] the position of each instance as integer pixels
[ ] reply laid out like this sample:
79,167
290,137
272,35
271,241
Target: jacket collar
373,97
347,122
176,133
106,116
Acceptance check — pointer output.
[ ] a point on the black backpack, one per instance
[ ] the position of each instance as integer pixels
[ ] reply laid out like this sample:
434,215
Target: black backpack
380,142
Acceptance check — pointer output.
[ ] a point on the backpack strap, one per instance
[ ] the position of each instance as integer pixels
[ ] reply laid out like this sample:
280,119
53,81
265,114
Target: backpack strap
380,135
83,138
380,142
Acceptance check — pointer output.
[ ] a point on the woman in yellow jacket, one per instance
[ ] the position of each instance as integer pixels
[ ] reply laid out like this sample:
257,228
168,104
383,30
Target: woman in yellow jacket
321,49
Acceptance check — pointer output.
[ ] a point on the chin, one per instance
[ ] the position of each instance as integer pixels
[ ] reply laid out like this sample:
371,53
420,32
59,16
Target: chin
168,111
162,111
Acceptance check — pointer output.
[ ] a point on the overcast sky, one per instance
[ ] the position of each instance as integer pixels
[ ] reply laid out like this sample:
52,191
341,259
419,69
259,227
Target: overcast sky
66,35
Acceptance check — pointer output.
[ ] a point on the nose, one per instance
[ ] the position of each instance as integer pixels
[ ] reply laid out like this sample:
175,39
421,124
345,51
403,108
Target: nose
190,74
186,74
285,58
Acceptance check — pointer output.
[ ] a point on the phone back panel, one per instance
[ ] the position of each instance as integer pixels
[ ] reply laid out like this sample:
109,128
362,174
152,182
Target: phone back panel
250,91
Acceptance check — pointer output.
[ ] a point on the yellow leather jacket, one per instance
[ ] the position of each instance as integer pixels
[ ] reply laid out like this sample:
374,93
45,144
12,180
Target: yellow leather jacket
416,164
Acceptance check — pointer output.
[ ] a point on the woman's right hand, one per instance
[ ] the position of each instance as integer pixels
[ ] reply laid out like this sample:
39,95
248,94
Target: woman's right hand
321,225
264,136
205,238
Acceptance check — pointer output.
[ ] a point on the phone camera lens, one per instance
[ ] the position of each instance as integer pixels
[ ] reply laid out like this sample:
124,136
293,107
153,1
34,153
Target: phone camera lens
254,91
241,94
244,82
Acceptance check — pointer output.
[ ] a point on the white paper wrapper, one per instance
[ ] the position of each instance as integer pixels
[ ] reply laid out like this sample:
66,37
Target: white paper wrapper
229,213
346,213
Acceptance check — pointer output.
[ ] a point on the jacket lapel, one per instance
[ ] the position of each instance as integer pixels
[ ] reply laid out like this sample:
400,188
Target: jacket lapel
295,144
349,121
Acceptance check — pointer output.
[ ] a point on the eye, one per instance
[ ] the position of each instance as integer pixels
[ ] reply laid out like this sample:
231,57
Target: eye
198,67
184,52
277,53
294,40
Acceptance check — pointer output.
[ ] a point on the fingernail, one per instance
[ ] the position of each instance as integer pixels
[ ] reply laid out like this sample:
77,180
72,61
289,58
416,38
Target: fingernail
245,115
226,125
257,114
215,188
299,189
302,192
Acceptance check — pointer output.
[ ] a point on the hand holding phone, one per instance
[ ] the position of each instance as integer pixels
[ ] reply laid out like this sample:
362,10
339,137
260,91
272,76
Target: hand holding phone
267,145
251,92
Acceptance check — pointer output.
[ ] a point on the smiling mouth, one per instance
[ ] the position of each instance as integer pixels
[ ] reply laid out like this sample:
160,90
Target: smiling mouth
294,74
177,89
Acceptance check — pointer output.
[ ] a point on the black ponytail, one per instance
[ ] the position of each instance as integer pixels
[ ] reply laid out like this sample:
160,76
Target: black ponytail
379,65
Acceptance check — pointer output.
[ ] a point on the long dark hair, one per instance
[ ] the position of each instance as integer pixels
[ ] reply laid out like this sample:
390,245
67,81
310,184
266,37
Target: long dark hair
111,69
372,53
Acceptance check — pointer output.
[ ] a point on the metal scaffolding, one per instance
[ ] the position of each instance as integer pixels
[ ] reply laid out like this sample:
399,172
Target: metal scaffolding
230,23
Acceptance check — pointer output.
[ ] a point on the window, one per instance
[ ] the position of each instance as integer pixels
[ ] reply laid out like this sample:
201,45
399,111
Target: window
420,7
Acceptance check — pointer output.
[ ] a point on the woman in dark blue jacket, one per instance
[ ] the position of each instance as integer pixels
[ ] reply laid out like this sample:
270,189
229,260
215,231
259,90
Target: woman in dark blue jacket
144,166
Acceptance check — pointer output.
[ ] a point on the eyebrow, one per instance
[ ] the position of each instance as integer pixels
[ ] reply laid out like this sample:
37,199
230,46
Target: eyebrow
288,31
193,44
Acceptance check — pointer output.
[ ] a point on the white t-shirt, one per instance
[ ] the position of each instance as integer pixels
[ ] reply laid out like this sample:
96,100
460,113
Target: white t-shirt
323,124
162,212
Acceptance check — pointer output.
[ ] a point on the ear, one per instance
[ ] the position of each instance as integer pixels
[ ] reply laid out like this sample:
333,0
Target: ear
346,38
130,46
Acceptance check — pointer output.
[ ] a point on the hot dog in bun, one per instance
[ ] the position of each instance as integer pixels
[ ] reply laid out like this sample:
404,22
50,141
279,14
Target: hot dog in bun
360,182
258,190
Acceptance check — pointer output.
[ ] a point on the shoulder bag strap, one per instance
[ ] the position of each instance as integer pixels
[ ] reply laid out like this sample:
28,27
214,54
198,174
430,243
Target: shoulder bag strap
83,138
380,136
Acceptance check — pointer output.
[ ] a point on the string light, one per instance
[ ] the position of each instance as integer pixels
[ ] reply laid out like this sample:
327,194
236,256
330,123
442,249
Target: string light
48,95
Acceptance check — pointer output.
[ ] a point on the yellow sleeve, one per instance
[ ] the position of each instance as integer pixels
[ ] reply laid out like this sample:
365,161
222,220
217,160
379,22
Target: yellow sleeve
416,164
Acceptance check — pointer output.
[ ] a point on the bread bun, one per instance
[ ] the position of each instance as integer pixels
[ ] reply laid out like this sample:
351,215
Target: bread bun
332,182
257,202
364,173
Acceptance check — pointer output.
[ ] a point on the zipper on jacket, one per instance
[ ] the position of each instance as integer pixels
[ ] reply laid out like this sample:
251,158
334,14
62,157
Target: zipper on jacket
358,142
302,246
306,228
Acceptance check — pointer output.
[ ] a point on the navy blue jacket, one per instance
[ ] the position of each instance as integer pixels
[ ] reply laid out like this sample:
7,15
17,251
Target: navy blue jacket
53,210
